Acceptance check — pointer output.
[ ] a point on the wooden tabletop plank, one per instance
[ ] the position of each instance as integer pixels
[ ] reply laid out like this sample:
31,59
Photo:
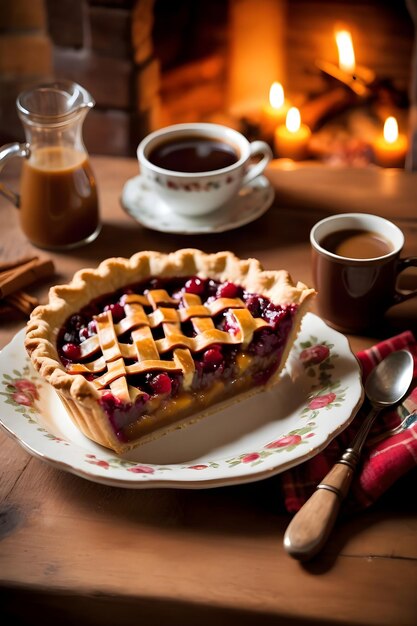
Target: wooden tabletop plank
386,192
222,547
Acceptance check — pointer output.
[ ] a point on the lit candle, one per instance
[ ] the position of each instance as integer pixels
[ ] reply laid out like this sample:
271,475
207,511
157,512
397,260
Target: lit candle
274,113
391,147
347,62
357,78
292,140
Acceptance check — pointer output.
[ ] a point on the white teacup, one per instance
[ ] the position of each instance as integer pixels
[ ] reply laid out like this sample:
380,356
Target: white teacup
219,157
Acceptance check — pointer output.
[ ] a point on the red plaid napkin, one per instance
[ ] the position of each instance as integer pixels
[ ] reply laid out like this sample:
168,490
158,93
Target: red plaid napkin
389,452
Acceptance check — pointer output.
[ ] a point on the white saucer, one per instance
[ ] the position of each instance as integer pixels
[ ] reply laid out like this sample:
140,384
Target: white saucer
140,203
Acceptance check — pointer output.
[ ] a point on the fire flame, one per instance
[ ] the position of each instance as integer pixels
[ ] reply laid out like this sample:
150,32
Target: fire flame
293,120
391,130
276,95
346,53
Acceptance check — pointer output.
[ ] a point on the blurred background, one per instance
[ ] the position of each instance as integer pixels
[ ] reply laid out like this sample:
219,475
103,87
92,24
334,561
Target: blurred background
149,63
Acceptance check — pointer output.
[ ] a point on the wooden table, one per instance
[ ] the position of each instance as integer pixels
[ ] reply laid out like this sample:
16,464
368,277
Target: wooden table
85,553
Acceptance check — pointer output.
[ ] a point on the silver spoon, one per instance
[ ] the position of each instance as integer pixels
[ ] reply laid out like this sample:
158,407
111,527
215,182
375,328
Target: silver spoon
310,527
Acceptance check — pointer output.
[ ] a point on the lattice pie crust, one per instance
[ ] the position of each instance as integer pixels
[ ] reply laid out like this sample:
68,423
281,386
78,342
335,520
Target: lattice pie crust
107,364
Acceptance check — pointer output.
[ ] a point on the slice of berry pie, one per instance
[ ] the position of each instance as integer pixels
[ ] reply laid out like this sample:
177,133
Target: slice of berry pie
143,345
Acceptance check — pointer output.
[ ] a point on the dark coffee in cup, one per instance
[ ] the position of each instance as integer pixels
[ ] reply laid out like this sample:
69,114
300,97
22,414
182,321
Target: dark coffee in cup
357,244
193,153
198,168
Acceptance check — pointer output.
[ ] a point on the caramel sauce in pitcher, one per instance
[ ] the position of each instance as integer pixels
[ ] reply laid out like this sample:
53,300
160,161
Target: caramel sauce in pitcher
59,205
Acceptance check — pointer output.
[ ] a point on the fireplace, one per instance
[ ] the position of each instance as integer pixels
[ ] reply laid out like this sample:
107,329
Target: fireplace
219,61
150,63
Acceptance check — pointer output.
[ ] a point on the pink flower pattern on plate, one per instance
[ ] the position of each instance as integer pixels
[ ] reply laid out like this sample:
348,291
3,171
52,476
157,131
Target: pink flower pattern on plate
193,186
289,440
314,355
141,469
321,401
26,392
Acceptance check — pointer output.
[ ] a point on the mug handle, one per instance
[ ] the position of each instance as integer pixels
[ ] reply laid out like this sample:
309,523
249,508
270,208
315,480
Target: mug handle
401,296
262,148
7,152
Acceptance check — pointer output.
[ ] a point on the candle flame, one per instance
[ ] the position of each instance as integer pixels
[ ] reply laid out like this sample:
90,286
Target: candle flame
276,95
391,130
293,120
346,52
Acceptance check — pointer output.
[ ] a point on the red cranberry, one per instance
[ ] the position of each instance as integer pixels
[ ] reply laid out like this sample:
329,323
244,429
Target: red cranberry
108,400
70,337
211,287
71,351
84,334
161,384
227,290
76,321
274,315
117,311
195,285
213,357
92,328
229,324
256,304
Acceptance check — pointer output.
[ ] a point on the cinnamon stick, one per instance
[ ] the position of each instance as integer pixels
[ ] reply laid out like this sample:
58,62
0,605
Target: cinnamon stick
22,301
10,265
24,275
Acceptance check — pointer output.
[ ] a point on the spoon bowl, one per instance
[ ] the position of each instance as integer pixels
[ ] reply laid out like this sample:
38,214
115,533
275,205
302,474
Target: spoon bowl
389,381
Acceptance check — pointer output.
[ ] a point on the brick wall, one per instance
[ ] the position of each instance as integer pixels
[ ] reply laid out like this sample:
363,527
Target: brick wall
25,58
104,45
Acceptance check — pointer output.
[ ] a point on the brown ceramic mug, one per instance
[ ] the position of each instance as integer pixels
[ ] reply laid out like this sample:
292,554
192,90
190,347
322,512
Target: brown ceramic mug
356,263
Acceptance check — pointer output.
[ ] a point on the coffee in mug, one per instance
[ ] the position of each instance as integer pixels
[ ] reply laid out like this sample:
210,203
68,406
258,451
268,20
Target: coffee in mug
357,244
356,263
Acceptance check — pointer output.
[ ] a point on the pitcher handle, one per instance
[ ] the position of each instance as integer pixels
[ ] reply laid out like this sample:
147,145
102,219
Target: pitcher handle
263,149
7,152
404,263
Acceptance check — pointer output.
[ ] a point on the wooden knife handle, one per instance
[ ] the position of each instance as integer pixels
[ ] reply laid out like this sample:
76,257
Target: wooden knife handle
310,527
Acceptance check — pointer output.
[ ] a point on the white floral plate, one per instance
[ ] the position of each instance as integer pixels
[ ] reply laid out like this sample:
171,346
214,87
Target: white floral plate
256,438
252,201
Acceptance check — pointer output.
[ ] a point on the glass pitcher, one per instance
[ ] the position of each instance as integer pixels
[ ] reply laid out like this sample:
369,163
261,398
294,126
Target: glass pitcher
57,203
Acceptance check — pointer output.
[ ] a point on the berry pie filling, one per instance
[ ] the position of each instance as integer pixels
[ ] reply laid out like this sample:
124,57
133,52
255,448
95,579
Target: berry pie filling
168,348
